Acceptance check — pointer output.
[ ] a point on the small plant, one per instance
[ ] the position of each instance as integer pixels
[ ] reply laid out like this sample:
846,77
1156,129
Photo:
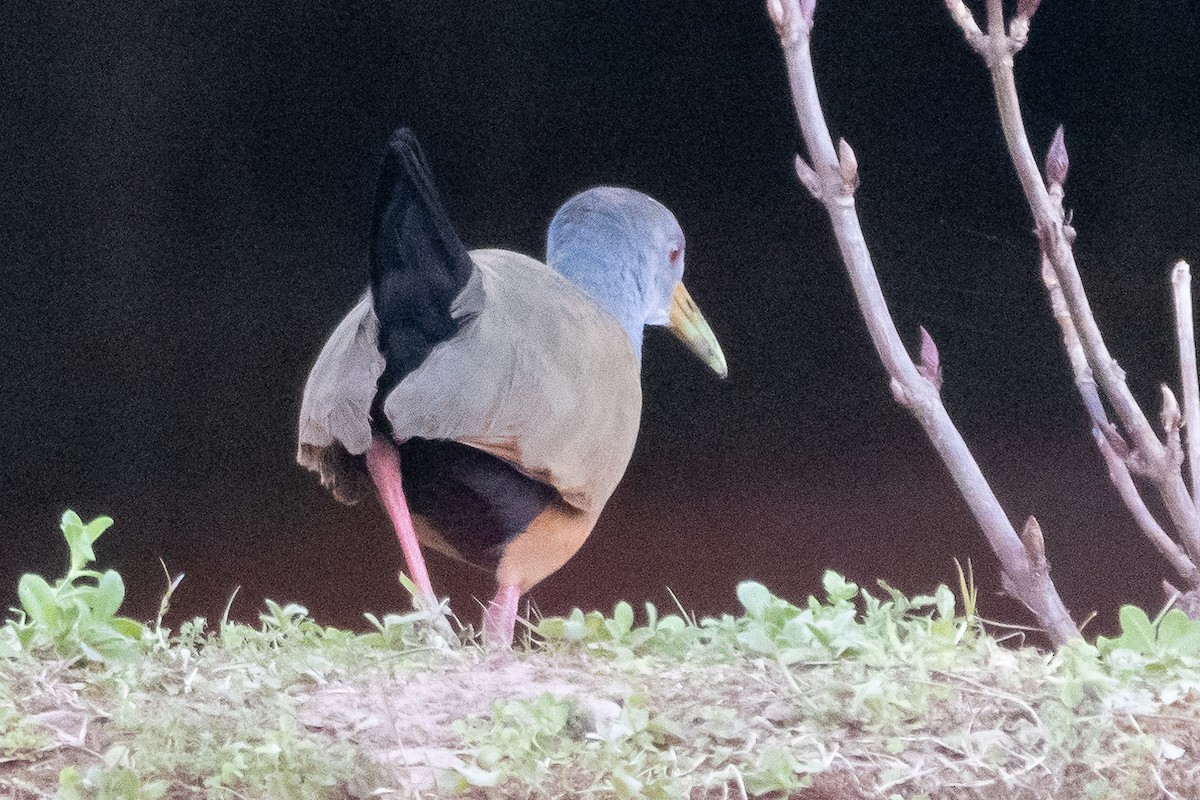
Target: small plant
16,735
77,616
397,632
772,626
115,783
848,692
536,741
673,634
1169,637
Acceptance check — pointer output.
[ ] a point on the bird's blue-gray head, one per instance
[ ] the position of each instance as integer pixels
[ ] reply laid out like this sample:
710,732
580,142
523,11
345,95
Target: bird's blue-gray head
626,250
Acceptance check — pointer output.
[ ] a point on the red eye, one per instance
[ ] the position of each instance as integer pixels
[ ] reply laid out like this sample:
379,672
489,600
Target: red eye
673,256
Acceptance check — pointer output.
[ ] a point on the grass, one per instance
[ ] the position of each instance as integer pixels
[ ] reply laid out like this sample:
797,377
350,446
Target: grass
858,694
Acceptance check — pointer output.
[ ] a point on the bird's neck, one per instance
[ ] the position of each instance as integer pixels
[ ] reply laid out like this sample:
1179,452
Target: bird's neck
616,291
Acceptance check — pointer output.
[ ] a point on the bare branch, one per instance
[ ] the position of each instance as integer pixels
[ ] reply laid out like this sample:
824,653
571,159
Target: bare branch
1085,383
1187,602
995,19
776,11
1030,584
1109,442
1118,473
966,21
1150,455
808,8
809,178
1035,549
1181,284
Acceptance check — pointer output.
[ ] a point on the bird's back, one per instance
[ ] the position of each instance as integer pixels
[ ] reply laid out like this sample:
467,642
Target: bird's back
538,376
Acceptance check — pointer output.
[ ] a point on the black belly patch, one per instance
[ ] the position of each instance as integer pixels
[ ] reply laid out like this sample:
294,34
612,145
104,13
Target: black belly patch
476,501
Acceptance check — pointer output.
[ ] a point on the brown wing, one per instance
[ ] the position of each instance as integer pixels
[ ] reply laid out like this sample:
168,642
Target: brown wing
539,376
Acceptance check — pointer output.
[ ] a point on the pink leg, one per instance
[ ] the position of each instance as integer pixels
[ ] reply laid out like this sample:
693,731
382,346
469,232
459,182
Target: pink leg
500,619
383,462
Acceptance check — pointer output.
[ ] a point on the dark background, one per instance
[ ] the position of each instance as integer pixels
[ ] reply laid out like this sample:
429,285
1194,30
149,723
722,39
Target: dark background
183,220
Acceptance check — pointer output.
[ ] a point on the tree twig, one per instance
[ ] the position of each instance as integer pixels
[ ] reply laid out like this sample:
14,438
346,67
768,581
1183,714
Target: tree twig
1109,441
1181,285
1150,456
1118,473
832,179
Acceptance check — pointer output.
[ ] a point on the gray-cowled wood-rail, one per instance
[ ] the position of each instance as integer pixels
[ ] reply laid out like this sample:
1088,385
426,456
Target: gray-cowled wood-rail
492,400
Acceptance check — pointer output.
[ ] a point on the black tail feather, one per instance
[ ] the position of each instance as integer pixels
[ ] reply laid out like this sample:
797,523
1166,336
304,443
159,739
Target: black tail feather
418,262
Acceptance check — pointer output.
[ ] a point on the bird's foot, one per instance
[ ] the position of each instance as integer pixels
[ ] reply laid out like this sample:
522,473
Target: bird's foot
437,616
429,610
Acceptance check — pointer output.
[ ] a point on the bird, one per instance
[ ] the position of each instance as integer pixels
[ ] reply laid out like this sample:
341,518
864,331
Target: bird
492,401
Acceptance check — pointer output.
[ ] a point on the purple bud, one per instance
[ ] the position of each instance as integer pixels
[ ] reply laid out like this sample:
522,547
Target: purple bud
1170,415
930,367
1035,544
807,9
848,165
1027,8
1057,162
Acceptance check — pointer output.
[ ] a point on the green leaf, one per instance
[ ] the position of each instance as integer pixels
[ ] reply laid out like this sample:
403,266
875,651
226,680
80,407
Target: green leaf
1071,693
128,628
651,615
837,588
625,785
103,651
1178,634
122,783
153,790
70,784
1137,632
552,628
945,602
622,620
754,597
574,627
71,520
794,655
820,634
757,640
80,538
39,602
96,527
10,641
488,755
775,771
110,593
595,627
